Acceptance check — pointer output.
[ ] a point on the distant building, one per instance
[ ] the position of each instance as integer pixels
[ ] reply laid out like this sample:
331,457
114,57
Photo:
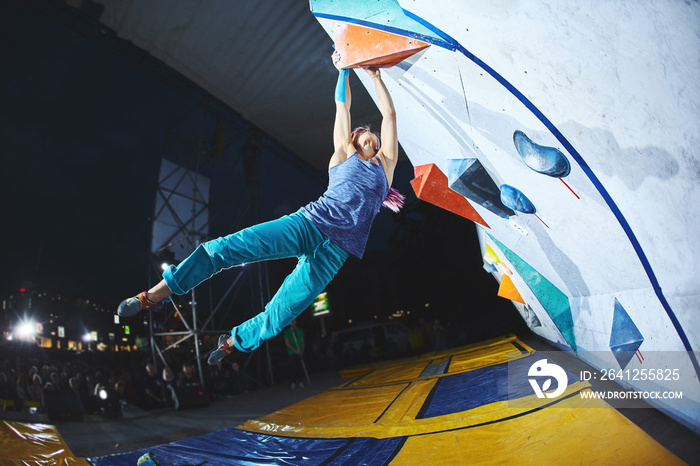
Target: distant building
53,320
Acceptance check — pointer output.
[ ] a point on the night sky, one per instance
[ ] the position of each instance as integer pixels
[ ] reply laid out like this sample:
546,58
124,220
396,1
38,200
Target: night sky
80,134
81,138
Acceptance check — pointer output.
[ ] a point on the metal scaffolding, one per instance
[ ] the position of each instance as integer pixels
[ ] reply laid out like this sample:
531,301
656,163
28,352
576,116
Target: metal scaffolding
178,229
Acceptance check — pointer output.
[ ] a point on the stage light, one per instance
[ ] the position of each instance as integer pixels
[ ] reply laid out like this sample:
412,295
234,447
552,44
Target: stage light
87,338
164,266
26,329
103,394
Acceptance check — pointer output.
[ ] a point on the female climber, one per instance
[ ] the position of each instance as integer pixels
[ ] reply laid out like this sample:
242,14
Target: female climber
321,234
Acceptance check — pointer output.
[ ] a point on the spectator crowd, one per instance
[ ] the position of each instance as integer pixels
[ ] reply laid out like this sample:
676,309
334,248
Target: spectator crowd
105,383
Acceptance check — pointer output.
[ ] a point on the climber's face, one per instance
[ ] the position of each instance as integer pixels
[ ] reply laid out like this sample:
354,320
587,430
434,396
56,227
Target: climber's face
366,143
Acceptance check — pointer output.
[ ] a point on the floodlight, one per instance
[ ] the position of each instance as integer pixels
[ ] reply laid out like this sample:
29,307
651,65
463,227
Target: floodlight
26,329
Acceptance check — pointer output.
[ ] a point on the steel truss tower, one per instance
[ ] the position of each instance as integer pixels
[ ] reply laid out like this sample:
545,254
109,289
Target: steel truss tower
190,169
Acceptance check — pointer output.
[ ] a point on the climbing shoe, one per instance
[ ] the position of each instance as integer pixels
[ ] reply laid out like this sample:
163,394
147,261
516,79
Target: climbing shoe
221,351
132,306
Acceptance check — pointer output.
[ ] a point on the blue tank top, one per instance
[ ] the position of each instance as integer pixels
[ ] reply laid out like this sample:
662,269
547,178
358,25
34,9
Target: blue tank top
345,212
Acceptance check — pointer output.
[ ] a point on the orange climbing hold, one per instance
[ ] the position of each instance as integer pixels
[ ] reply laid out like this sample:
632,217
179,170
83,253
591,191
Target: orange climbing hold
431,185
508,290
363,46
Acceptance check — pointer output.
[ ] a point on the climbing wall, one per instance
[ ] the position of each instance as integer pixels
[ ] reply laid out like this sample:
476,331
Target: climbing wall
568,133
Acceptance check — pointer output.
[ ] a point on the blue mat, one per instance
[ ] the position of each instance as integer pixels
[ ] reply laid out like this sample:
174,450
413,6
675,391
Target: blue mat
468,390
236,447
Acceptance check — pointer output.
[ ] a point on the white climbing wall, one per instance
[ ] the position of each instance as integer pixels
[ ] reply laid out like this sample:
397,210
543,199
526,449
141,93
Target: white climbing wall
606,265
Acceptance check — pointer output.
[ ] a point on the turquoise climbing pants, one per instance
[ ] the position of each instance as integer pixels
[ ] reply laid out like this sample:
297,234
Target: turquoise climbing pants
290,236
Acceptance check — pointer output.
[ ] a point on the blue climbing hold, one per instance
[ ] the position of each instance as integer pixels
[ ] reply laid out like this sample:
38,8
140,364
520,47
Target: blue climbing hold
470,179
542,159
625,337
516,200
